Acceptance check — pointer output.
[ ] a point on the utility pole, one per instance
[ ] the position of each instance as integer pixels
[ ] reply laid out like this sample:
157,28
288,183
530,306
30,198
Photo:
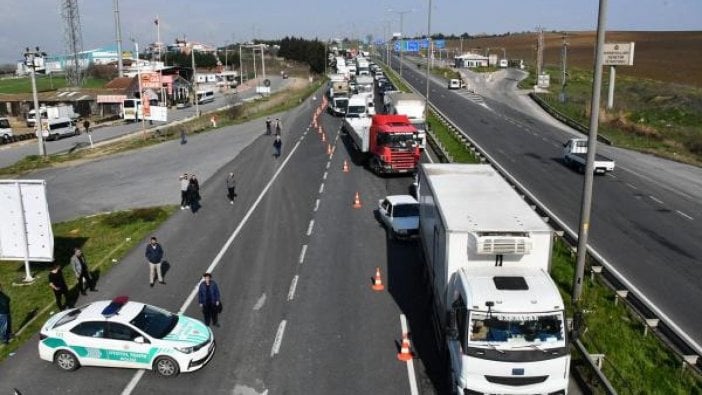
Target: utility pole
33,59
141,93
263,61
564,75
584,225
118,37
197,102
241,67
539,50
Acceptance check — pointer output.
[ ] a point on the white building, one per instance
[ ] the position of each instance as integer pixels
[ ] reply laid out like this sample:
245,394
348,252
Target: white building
470,59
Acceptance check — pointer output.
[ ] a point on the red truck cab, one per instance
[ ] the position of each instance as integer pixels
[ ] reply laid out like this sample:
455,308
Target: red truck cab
393,145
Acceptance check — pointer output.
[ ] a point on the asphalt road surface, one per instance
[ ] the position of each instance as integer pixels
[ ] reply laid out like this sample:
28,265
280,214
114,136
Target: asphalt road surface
294,263
9,154
646,216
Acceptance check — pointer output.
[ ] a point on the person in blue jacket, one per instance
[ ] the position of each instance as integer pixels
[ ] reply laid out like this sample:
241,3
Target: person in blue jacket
208,297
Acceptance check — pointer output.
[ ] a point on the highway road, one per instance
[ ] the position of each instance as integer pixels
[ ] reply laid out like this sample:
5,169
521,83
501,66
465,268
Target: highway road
294,263
647,215
9,154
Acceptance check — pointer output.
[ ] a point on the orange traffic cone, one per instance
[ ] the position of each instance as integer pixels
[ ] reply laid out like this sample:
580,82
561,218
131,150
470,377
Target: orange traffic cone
357,201
405,352
329,150
377,281
346,166
324,139
319,129
314,122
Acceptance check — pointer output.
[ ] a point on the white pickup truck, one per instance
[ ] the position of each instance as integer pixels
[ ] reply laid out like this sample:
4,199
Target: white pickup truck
575,155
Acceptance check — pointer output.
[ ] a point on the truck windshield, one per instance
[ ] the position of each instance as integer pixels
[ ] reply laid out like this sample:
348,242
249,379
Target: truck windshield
516,329
4,124
396,140
341,103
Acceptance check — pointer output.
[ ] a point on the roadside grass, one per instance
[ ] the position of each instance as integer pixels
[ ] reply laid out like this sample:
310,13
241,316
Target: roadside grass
659,118
44,84
634,364
277,102
104,239
446,73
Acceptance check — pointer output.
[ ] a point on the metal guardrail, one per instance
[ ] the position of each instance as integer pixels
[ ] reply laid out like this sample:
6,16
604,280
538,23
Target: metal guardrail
566,119
669,331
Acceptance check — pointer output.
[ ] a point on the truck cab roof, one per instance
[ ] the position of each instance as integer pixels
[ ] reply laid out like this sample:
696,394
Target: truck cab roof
394,123
513,290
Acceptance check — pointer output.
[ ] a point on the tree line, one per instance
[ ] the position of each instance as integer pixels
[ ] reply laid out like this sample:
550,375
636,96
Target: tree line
306,51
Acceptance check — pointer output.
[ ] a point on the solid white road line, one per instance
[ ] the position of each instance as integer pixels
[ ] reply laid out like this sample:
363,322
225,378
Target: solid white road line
655,199
303,251
278,338
133,382
410,363
321,188
260,302
137,376
293,285
684,215
316,205
310,227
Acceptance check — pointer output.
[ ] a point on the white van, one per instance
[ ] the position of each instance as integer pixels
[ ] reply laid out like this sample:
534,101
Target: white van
5,130
55,128
456,84
205,96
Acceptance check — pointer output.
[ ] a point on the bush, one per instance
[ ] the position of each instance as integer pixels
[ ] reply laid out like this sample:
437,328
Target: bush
119,219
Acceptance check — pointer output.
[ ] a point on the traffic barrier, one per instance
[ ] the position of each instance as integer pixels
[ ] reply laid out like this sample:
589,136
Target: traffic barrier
357,201
346,166
377,281
405,354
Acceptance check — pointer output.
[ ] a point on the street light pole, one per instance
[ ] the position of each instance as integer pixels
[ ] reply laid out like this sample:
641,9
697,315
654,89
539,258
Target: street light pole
197,102
141,93
429,49
31,58
402,36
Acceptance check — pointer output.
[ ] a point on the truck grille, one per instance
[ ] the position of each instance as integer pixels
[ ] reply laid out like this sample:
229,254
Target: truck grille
516,381
403,160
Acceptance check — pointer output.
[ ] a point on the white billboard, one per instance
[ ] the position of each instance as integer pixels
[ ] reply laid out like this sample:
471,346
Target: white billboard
619,54
158,113
25,226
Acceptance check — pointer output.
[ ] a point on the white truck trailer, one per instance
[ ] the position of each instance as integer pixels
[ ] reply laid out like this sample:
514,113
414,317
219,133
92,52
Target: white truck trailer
413,106
497,311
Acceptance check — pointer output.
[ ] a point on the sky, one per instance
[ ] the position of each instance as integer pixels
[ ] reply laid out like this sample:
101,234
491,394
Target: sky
30,23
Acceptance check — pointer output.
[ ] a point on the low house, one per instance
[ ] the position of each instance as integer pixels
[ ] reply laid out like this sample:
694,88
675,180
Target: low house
470,59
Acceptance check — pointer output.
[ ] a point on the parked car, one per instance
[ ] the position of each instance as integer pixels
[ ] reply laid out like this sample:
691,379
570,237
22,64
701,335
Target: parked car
125,334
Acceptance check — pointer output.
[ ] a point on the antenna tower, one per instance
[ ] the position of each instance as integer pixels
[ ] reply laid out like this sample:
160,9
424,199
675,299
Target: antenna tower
73,40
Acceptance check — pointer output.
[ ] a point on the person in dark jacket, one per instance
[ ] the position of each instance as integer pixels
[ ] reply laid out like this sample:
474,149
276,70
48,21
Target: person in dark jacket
208,297
231,186
194,189
5,320
58,285
154,257
277,145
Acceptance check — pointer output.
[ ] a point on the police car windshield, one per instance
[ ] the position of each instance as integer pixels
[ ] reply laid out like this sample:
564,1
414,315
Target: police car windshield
155,322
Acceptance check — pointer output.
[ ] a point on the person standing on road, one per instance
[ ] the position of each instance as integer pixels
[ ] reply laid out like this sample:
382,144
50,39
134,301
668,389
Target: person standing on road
194,188
154,257
208,297
231,185
58,285
278,126
80,268
5,319
268,125
277,145
184,182
86,125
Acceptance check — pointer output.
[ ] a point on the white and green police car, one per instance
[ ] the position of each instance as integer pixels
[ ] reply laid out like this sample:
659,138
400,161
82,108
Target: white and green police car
126,334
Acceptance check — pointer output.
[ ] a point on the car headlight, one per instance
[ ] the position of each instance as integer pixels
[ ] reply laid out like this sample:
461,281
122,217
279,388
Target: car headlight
184,350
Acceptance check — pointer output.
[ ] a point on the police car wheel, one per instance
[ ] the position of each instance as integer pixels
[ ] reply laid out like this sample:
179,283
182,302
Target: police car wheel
65,360
166,367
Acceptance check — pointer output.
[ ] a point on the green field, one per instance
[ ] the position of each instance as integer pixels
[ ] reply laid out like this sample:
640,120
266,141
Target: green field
659,118
104,239
44,84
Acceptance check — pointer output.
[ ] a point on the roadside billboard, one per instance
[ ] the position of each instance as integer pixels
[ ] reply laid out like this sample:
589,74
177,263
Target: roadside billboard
25,225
